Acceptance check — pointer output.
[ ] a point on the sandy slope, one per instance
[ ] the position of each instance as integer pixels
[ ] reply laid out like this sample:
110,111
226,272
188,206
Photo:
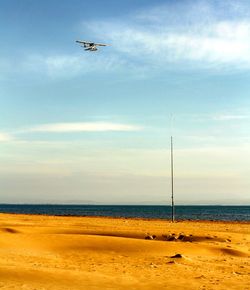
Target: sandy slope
45,252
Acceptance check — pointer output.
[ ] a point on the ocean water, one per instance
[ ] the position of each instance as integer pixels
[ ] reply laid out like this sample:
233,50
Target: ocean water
223,213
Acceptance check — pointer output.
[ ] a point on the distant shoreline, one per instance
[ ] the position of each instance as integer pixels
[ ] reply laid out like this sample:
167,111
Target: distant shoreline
90,204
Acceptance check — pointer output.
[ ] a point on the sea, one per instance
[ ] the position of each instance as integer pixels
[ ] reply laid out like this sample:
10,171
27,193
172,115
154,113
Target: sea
182,212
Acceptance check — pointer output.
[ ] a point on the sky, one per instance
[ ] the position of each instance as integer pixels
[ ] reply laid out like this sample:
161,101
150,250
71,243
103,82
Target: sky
95,127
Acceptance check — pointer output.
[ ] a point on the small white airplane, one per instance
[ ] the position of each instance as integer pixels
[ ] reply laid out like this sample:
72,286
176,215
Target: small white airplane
90,46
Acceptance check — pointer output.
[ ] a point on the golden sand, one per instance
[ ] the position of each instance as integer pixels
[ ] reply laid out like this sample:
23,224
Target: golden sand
57,253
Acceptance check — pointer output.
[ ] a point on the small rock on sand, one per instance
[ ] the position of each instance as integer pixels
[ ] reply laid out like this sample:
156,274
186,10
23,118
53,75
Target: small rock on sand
181,237
171,262
169,237
177,256
149,237
152,265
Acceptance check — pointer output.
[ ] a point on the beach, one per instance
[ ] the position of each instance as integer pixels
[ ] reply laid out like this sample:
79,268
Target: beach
52,252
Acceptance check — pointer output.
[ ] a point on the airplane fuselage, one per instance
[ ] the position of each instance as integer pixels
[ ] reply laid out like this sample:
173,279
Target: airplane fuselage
90,46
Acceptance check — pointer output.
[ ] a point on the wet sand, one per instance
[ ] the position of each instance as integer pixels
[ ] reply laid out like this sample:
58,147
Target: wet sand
48,252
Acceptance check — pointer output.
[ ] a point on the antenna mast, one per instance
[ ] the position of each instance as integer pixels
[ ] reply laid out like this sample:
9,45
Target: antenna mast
172,180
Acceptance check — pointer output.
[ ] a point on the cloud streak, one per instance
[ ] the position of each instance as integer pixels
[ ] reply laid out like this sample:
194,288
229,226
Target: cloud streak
82,127
230,117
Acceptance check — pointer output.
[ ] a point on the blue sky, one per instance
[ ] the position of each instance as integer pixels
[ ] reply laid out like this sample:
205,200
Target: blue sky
95,127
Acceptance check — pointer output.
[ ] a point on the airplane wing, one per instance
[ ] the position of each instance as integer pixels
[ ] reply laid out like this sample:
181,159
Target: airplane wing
101,44
90,43
85,42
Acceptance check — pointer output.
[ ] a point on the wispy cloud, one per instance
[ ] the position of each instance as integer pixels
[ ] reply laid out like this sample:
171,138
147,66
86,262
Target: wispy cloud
230,117
210,35
5,137
82,127
61,66
70,65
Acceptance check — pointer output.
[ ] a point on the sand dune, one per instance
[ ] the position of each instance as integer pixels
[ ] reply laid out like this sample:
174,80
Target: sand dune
45,252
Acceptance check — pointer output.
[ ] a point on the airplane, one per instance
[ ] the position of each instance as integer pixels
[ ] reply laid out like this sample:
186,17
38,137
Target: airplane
90,46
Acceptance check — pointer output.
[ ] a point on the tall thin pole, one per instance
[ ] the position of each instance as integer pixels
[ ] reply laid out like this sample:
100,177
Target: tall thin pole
172,180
